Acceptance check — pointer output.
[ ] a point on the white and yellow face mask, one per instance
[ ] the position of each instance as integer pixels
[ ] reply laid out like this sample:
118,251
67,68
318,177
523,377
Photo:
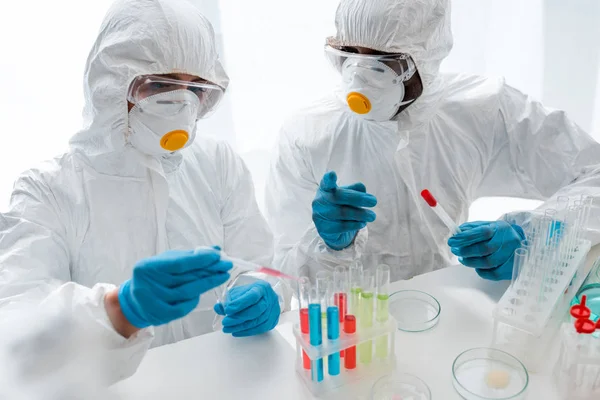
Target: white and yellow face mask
163,119
164,123
373,85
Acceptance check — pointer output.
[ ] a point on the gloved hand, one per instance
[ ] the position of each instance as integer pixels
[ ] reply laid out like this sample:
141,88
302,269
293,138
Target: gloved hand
488,247
168,286
338,212
250,309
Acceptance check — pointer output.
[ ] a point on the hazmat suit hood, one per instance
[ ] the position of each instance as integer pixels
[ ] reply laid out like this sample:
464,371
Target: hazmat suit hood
420,28
140,37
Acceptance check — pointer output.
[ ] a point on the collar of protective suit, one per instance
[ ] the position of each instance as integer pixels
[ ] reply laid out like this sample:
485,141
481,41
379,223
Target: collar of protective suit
179,39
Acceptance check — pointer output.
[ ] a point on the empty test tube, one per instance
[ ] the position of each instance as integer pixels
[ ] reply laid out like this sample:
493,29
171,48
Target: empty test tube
322,284
365,318
333,332
562,203
355,277
382,278
518,264
304,301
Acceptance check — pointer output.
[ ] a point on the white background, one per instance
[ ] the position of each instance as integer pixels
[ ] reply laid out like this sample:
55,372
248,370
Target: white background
273,51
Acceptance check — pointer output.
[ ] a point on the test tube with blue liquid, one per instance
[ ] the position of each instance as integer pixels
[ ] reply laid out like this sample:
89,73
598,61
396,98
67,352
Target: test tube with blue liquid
333,331
315,332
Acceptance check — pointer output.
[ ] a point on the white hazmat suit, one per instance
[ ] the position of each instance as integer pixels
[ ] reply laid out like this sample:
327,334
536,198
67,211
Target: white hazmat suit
78,224
465,137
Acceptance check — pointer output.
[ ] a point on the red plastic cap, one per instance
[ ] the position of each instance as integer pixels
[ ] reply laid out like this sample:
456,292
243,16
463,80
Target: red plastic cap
580,311
585,325
350,324
428,197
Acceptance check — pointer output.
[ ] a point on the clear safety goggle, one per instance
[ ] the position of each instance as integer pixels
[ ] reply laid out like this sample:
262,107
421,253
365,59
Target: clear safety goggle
402,64
208,94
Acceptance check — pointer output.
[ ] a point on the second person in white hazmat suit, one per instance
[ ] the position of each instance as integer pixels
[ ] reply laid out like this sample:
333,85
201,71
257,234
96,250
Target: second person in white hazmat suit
83,229
397,126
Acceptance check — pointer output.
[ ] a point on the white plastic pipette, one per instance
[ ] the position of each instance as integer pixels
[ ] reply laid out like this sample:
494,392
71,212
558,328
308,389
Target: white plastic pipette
250,266
439,210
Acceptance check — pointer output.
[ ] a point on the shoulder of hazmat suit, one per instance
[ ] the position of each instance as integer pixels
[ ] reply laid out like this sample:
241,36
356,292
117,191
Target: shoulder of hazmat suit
466,137
78,224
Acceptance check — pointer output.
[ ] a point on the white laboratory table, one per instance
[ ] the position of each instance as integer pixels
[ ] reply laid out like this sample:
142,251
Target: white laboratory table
217,366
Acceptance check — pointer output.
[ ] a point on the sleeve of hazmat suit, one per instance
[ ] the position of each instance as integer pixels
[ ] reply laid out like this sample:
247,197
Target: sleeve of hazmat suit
539,153
299,250
35,264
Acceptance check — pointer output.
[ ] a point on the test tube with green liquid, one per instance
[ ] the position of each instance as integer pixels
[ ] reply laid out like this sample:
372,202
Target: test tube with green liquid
365,319
382,311
355,279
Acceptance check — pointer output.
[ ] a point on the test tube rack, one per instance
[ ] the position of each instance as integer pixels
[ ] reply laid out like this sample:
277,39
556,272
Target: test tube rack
577,371
526,328
377,366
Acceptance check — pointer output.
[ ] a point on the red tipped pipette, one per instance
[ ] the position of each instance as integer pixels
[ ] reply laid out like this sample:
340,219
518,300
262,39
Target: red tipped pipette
439,210
244,265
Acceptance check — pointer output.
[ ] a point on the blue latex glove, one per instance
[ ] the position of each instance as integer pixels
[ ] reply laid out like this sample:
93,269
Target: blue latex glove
488,247
250,309
338,212
168,286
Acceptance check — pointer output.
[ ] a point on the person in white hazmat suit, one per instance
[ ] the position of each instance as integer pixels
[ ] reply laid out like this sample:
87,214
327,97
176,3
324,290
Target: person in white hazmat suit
398,126
112,230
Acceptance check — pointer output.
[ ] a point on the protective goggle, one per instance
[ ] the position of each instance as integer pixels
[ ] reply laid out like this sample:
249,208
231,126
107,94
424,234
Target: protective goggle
143,87
401,64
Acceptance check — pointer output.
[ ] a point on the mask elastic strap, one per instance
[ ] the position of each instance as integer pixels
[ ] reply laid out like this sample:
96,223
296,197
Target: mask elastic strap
406,102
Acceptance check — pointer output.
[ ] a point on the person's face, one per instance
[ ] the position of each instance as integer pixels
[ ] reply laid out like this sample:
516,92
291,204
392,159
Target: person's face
179,77
414,86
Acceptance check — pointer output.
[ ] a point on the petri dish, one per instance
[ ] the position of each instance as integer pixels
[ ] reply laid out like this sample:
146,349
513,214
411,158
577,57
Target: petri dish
414,311
489,374
592,292
400,386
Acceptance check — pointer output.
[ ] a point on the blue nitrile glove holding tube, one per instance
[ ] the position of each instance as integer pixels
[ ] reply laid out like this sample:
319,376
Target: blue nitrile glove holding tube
339,213
168,286
250,309
488,246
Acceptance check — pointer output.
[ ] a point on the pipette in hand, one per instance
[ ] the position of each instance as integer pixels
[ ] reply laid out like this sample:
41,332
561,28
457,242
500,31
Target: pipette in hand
439,210
250,266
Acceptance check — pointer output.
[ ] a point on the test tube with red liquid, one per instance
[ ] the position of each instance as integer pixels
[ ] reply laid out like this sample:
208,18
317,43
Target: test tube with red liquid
304,299
340,288
350,352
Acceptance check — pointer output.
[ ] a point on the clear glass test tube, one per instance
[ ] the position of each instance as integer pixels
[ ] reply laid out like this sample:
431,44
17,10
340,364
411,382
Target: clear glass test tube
518,265
355,278
323,280
340,288
365,318
562,202
304,288
382,279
